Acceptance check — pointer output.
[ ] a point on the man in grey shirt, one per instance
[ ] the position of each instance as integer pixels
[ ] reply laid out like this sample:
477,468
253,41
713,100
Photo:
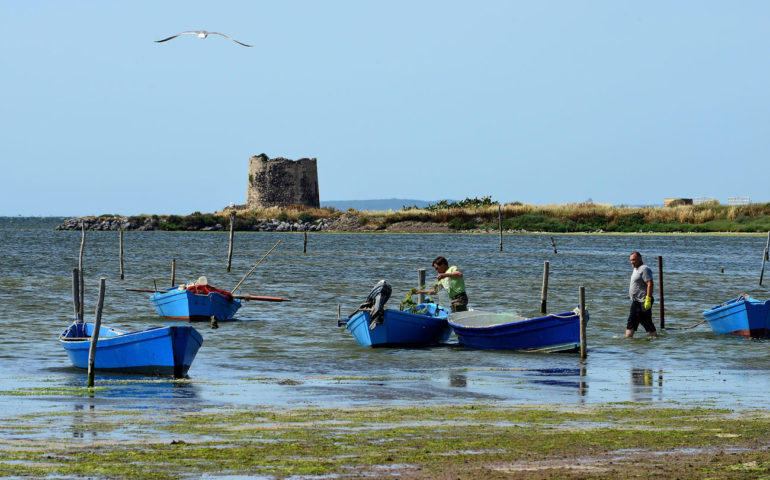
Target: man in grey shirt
640,291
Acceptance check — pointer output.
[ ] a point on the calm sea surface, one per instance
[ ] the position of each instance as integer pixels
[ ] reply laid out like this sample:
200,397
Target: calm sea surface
294,354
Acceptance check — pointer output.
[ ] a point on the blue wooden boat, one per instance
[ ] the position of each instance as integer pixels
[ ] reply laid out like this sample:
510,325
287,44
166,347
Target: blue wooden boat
743,315
509,331
154,351
421,325
184,304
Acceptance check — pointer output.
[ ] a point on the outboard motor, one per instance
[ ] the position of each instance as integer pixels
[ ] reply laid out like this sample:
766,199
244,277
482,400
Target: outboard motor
375,304
376,300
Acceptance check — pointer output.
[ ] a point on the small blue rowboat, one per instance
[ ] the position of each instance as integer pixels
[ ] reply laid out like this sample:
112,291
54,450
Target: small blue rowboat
185,304
154,351
742,316
509,331
422,325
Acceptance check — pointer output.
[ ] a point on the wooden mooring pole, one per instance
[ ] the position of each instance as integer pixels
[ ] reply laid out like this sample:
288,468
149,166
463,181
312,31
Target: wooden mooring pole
232,236
764,259
76,293
660,293
173,272
544,291
120,254
421,284
582,303
500,224
95,334
80,266
304,242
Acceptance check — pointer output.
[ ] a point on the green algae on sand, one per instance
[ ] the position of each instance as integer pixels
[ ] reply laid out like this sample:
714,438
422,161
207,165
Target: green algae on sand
466,441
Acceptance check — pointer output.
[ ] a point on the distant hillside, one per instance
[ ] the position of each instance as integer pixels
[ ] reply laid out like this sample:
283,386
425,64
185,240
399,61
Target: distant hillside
375,205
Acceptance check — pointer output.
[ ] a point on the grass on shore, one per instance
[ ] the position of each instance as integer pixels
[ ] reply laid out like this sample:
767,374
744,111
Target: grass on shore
479,441
571,217
590,217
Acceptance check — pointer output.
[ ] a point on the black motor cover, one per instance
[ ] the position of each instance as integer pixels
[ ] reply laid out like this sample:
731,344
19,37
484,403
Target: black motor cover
377,299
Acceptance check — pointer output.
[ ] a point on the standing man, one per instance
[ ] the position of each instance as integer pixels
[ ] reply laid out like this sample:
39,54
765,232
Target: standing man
451,279
640,291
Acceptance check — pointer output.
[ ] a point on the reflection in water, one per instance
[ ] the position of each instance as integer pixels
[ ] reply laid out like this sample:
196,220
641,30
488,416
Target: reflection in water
457,379
562,377
643,383
133,386
80,422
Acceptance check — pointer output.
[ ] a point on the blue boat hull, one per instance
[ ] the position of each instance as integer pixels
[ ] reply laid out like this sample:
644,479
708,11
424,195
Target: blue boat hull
402,328
550,333
743,316
154,351
175,304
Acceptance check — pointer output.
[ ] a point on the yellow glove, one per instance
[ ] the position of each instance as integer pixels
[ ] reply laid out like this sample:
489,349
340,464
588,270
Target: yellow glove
647,303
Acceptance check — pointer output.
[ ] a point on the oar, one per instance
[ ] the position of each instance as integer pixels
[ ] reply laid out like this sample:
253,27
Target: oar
262,299
255,266
140,290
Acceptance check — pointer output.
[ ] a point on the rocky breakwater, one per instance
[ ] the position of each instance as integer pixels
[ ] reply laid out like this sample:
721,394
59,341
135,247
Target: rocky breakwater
160,223
108,223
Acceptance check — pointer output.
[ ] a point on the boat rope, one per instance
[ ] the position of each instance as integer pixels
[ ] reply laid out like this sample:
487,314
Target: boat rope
742,296
686,328
576,311
365,307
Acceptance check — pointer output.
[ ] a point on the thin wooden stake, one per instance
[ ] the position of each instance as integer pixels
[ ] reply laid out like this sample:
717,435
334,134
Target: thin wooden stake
80,265
765,258
76,294
339,313
421,284
500,224
255,266
660,293
582,303
304,242
173,272
553,244
232,236
95,334
120,255
544,291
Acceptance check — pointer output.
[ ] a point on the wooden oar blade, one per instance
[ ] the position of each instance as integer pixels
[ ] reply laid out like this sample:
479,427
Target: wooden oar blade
261,298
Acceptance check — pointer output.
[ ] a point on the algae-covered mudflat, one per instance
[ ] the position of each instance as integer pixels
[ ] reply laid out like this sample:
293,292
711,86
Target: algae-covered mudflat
471,440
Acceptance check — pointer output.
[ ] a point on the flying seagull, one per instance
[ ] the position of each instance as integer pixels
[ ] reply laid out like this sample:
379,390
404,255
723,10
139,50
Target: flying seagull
201,34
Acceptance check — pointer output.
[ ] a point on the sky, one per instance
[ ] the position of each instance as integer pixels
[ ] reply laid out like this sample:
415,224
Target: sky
541,102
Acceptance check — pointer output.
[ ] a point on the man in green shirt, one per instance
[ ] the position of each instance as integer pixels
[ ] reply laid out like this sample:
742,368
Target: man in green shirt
450,279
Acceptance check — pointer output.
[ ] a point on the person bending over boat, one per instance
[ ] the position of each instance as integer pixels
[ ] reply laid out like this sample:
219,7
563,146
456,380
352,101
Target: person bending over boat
451,279
640,291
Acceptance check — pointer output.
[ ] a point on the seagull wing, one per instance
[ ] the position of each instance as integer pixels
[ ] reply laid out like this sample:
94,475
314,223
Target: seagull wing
191,32
231,38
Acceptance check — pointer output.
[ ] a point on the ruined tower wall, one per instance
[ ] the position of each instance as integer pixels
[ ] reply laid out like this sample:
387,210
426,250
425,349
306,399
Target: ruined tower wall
278,182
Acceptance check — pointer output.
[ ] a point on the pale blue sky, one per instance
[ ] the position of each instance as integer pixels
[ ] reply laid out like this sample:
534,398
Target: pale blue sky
533,101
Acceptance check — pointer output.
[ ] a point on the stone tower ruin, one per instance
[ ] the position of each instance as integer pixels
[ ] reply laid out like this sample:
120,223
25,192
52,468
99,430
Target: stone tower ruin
278,182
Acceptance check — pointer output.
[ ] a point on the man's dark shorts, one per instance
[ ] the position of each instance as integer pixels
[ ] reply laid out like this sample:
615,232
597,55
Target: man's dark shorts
639,315
460,302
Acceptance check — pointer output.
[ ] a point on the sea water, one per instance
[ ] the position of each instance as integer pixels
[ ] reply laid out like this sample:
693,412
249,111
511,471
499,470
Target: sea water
293,353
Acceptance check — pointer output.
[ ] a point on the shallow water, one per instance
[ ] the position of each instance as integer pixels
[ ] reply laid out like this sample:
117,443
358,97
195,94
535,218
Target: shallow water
294,354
